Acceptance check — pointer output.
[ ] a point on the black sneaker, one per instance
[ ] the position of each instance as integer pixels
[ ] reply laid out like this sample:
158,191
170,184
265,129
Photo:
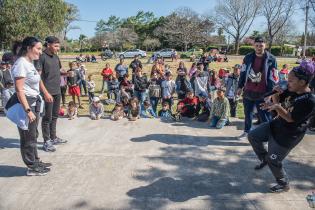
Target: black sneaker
261,165
280,188
38,171
44,165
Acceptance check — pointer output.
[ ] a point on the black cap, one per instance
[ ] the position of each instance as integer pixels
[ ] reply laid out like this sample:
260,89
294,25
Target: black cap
7,58
259,39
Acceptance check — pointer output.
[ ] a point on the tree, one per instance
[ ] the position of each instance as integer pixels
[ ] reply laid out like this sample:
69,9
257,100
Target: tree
236,17
82,39
277,14
151,44
21,18
72,14
191,29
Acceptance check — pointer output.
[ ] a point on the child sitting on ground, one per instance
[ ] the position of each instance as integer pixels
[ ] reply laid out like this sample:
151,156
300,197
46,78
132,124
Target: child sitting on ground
125,104
188,106
118,112
165,113
72,111
96,109
205,106
134,109
147,110
220,110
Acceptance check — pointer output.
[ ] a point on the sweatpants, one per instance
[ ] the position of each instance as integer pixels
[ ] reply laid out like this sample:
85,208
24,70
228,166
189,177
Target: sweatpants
275,154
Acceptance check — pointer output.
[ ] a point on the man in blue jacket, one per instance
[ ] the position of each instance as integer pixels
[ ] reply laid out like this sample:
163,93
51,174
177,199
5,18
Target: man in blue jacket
258,76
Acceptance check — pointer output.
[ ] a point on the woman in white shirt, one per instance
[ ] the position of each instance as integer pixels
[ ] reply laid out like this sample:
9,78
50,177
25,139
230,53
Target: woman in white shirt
28,85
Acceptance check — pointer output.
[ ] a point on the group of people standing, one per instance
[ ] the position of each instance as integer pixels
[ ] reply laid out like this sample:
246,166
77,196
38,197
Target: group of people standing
202,94
35,74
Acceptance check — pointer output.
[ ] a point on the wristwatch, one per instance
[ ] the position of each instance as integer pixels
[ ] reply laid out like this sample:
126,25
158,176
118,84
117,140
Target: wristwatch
28,110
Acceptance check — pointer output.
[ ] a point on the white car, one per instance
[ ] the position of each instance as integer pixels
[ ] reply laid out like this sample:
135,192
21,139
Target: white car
165,53
132,53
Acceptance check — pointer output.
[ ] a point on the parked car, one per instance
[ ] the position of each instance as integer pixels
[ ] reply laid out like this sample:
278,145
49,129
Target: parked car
165,53
106,54
194,51
132,53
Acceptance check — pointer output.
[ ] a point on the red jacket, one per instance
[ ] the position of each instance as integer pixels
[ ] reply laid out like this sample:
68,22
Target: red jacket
106,73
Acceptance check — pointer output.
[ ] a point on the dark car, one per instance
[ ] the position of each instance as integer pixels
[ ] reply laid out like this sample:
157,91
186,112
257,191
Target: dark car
106,54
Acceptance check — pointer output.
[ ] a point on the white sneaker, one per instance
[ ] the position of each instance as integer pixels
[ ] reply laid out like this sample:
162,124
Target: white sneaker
243,136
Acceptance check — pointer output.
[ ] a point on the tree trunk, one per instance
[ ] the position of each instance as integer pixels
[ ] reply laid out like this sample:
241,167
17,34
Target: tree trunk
237,46
270,43
186,46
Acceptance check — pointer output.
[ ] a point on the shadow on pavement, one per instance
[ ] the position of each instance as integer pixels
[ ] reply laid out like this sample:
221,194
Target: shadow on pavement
12,171
191,140
9,143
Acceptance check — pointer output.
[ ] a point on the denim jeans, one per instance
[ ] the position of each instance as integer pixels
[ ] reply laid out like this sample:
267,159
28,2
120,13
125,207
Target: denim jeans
264,115
83,83
141,95
215,122
154,102
104,86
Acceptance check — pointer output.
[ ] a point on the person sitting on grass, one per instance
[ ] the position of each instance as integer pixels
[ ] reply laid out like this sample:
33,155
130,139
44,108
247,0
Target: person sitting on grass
125,104
118,112
165,113
220,110
204,106
188,106
72,111
147,110
73,82
96,109
134,109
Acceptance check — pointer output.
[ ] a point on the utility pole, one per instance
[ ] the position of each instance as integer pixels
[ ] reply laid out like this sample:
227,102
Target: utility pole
306,21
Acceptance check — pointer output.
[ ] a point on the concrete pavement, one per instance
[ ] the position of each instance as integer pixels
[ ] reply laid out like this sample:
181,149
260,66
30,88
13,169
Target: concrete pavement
149,164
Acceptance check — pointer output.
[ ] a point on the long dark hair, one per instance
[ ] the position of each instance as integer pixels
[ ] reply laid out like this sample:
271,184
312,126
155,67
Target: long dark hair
28,42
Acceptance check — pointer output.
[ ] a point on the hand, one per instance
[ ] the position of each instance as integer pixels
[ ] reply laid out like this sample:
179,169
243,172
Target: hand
31,116
278,89
48,98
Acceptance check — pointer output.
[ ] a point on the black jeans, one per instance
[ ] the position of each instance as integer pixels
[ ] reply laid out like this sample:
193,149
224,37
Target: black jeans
91,96
28,145
49,121
233,106
63,94
275,154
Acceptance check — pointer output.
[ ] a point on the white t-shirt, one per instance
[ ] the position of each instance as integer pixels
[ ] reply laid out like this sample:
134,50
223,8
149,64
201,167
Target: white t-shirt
26,69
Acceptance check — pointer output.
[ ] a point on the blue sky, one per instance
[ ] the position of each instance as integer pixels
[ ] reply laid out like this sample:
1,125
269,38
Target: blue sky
94,10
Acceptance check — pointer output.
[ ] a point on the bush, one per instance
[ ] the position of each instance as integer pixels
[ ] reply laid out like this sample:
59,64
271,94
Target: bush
287,50
245,50
310,51
276,50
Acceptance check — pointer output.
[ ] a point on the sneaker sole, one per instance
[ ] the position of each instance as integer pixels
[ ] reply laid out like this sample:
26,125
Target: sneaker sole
36,174
280,191
48,150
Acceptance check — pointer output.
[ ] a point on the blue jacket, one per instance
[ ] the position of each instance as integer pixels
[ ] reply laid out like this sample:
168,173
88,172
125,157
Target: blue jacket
270,70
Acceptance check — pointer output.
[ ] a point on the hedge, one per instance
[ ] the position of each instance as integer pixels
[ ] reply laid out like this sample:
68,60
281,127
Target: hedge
245,50
275,50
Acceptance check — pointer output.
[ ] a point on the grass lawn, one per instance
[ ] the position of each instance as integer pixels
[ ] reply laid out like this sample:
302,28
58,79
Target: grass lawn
95,69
